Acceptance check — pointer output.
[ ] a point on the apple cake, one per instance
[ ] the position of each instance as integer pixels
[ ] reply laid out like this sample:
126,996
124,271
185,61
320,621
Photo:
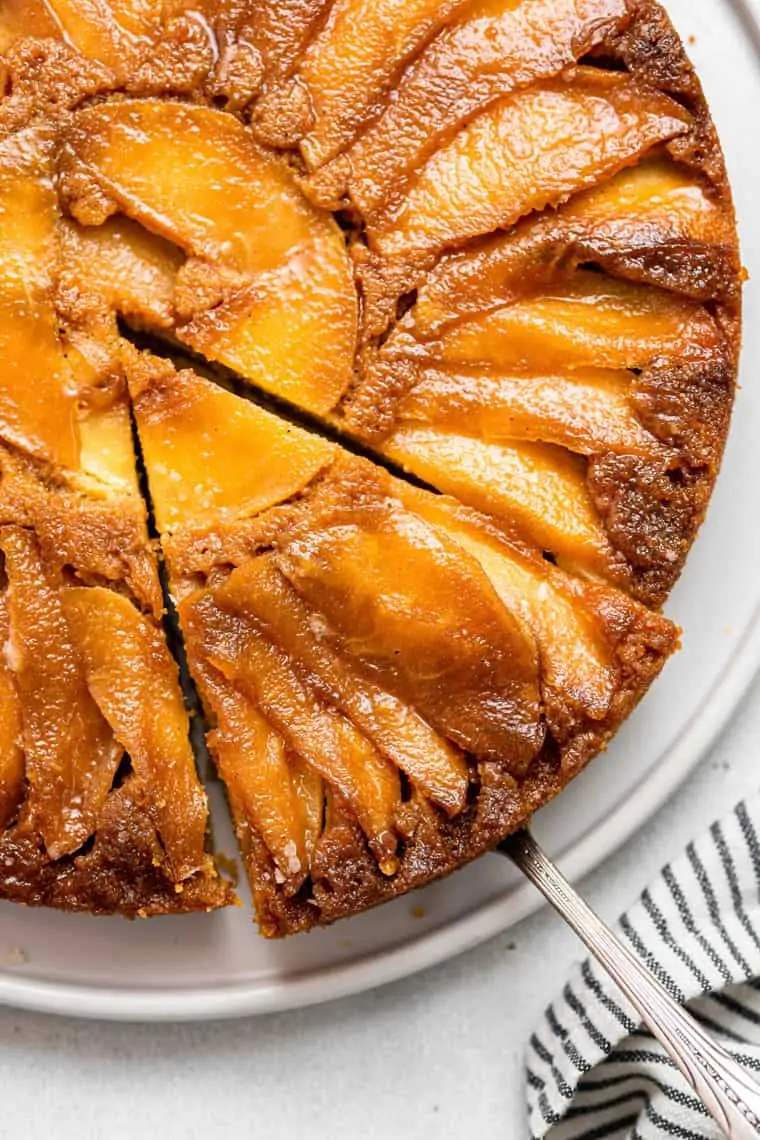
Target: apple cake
373,361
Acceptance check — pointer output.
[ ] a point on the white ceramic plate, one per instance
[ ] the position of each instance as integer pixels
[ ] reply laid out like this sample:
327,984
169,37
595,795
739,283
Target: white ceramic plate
218,966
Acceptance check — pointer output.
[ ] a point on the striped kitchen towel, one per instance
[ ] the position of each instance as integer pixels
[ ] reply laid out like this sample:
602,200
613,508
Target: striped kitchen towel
592,1071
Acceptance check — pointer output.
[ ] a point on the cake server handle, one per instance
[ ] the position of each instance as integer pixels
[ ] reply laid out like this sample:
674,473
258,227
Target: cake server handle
727,1091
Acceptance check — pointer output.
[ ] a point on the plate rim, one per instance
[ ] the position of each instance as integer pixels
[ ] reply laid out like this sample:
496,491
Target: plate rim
452,938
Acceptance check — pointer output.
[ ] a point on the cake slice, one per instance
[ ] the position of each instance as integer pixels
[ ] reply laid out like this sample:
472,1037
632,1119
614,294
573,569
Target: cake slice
391,685
101,809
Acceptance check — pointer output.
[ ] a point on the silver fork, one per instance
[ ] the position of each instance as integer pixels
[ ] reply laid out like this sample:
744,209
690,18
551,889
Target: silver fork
726,1090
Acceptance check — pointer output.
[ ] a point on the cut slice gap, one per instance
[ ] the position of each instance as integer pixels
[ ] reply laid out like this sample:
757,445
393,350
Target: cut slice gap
331,430
211,560
175,640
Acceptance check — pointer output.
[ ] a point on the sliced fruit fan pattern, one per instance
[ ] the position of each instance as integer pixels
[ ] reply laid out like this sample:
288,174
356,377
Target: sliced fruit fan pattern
415,326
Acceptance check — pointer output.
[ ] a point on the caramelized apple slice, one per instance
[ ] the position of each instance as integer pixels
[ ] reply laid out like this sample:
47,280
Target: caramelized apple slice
258,590
653,203
372,570
12,786
252,760
324,739
587,411
121,265
37,398
496,47
538,490
25,18
284,333
312,796
280,30
589,321
108,453
135,684
269,289
579,627
630,224
351,64
209,452
116,32
71,755
573,132
575,660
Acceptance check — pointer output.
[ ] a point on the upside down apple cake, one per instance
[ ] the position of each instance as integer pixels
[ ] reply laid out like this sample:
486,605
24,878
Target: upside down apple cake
378,360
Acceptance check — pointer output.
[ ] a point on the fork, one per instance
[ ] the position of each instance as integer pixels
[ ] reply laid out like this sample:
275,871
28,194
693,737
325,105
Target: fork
728,1093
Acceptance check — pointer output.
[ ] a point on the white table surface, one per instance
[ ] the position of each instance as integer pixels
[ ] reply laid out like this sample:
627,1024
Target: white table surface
438,1055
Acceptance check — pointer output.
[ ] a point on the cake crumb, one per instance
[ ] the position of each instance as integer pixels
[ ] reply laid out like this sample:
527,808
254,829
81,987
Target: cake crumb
418,911
16,957
228,866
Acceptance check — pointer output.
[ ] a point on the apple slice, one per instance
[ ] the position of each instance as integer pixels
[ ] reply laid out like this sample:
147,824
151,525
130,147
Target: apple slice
134,682
280,30
537,491
209,453
586,411
258,590
253,762
268,288
108,453
371,567
587,321
71,755
575,658
116,32
324,739
12,783
350,66
25,18
582,629
630,224
122,266
531,150
496,47
37,396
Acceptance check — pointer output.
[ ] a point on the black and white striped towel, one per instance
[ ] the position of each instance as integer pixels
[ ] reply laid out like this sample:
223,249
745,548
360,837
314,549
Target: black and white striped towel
592,1072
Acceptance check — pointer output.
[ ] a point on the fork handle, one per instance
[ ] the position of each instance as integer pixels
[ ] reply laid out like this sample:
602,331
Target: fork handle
730,1095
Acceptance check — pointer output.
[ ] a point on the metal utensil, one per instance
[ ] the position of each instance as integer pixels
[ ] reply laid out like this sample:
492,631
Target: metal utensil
728,1093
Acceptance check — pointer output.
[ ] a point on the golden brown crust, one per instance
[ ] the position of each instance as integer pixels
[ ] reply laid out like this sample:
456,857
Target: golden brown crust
121,872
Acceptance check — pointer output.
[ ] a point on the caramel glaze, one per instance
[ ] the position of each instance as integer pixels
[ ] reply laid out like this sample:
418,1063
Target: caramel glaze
397,338
301,610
